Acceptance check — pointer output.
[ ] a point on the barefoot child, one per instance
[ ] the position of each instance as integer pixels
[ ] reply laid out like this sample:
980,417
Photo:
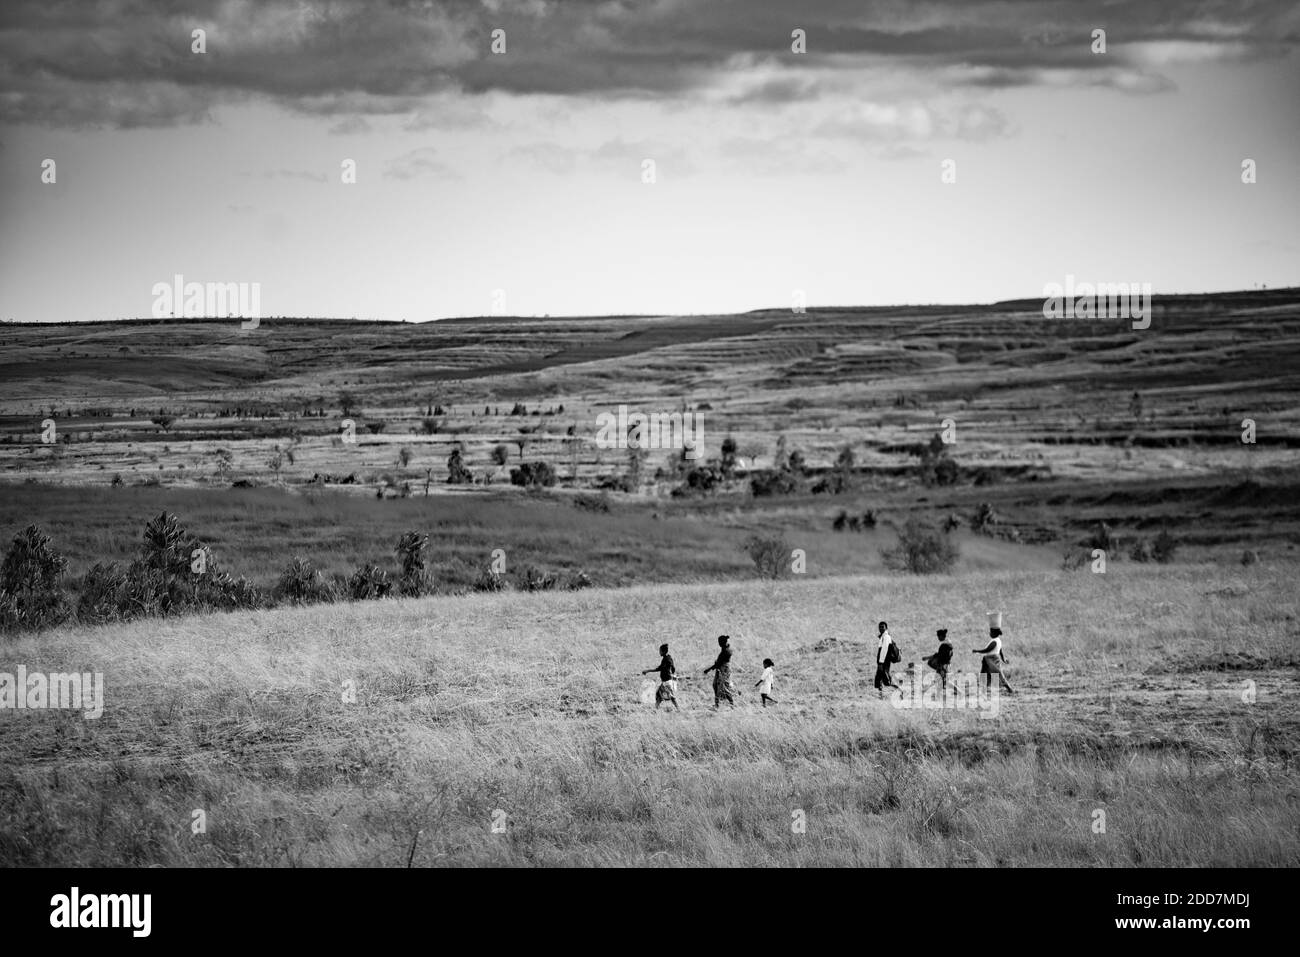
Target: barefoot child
942,658
764,684
667,690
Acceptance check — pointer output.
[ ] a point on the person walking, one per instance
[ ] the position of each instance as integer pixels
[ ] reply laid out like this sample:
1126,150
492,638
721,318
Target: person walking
942,658
994,659
764,685
667,690
723,689
886,653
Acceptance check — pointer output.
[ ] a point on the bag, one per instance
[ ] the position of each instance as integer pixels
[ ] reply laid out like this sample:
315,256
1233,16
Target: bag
893,656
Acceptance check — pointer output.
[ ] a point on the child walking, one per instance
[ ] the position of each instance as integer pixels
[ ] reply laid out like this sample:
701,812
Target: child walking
667,690
764,684
942,658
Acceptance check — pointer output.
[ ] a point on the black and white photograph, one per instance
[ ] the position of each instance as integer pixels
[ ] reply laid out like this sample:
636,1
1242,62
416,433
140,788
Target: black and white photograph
651,435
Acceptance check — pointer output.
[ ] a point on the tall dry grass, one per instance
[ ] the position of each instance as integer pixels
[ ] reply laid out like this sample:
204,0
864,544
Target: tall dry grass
531,705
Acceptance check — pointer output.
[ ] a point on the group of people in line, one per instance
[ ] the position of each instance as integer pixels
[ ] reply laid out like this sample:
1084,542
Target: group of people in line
887,653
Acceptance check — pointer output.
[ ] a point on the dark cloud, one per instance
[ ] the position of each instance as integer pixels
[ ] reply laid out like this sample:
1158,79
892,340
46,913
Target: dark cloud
129,62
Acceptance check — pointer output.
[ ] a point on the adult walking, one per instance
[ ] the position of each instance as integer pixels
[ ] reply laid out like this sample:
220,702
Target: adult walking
723,689
994,659
886,653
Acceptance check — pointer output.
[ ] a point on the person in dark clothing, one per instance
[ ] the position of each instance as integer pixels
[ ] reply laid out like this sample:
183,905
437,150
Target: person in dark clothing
942,658
667,690
883,659
723,689
993,661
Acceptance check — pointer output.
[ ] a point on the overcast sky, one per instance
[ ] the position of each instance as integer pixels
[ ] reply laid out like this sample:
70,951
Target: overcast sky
522,171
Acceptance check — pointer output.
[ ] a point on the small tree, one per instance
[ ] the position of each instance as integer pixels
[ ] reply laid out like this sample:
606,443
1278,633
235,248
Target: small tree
500,455
921,550
770,554
404,456
223,461
164,422
348,403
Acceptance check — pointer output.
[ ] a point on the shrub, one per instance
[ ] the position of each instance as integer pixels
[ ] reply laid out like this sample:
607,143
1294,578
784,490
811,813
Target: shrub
31,582
536,579
1102,538
1249,557
457,474
937,466
414,580
369,581
488,580
173,574
578,581
984,519
1073,559
921,550
773,482
840,521
302,584
533,475
1141,551
1164,547
770,554
104,594
700,480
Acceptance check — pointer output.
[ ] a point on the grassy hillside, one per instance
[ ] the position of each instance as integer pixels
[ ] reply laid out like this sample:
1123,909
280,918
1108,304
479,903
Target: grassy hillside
1158,696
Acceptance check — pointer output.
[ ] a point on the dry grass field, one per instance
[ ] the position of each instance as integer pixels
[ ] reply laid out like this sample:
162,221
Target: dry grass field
1155,721
1158,701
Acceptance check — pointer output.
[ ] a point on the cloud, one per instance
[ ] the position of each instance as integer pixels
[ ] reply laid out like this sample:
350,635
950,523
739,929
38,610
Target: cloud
417,164
548,157
128,63
349,125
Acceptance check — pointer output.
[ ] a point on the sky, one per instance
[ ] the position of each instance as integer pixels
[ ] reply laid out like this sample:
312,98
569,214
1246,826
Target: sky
516,181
